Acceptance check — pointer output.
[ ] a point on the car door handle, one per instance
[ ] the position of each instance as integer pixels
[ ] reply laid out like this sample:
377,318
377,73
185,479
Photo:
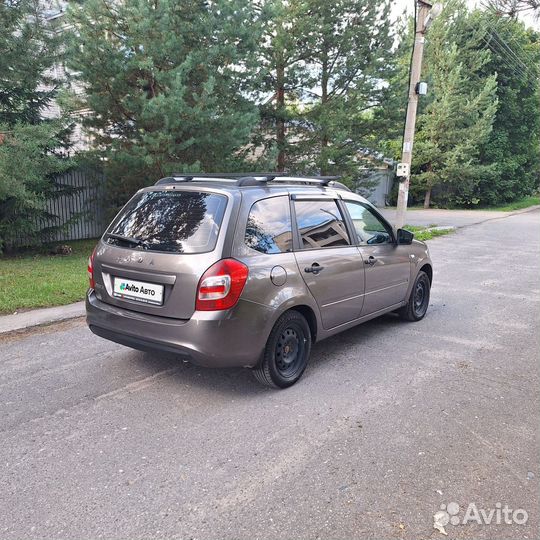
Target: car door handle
315,268
371,260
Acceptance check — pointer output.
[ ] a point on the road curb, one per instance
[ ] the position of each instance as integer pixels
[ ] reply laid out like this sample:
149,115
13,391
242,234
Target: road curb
40,317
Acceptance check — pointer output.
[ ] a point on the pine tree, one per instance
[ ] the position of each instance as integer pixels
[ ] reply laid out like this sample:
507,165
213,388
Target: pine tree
458,157
513,8
284,51
167,83
389,116
352,43
32,147
325,69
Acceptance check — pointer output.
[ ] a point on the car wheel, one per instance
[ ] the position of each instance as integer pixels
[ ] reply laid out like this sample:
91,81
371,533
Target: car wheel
286,353
418,302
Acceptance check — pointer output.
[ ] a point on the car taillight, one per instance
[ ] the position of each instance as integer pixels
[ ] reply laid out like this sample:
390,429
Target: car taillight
221,285
90,270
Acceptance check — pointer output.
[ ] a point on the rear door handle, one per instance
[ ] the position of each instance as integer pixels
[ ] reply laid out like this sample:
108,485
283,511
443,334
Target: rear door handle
315,268
371,260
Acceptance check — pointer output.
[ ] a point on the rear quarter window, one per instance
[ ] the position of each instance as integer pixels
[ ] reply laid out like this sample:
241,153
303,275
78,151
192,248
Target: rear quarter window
171,221
268,228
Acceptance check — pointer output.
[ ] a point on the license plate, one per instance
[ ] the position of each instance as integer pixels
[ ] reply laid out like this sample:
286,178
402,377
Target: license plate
148,293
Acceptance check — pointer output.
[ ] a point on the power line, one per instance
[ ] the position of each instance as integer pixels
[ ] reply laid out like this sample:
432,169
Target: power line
521,49
504,59
506,55
508,58
524,66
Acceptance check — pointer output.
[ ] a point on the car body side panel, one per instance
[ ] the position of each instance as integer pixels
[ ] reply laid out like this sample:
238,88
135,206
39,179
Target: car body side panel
419,256
346,326
387,278
339,287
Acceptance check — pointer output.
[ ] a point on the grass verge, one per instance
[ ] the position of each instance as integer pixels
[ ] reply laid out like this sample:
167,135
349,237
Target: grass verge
427,233
518,205
37,279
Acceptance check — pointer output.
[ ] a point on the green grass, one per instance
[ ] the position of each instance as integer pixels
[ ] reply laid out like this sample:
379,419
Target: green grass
518,205
425,233
37,279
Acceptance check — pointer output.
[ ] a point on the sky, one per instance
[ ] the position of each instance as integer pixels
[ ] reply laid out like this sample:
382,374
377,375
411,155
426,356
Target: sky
401,5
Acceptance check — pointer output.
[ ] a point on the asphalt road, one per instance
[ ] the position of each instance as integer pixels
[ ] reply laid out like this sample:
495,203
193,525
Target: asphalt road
390,421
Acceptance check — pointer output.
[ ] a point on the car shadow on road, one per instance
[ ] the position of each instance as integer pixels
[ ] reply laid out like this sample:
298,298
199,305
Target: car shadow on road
228,381
366,334
240,381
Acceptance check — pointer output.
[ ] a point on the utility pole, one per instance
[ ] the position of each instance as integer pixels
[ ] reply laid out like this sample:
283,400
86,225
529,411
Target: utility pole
423,20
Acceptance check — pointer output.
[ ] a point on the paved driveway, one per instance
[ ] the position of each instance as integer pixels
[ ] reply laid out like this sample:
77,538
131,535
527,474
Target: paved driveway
391,421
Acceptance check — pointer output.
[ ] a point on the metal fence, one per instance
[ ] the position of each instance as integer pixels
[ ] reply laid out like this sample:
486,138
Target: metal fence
80,215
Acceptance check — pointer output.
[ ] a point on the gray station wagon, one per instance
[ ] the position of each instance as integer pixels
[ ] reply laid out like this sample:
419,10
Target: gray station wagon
250,270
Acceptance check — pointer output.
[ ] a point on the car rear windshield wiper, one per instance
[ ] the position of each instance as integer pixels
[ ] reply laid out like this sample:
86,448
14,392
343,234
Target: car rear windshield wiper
129,240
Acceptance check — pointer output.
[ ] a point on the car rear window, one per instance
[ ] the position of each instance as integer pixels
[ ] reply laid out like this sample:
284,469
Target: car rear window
173,221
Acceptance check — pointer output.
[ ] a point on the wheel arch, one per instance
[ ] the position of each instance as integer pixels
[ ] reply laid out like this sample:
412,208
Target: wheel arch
310,317
428,269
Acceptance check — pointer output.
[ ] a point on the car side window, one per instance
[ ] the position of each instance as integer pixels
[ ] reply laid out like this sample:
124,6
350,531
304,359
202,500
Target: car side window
367,225
320,224
268,228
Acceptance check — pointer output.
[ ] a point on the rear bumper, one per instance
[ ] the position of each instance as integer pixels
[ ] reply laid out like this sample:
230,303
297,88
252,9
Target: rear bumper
232,338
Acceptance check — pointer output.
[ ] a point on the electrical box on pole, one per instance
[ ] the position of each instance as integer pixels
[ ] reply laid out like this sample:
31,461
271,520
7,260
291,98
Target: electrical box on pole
402,170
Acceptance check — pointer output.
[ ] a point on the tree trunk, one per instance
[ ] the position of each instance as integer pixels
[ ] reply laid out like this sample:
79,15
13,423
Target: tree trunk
280,122
427,198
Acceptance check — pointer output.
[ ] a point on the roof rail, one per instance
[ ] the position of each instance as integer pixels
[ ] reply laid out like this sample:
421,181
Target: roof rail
254,179
326,181
189,177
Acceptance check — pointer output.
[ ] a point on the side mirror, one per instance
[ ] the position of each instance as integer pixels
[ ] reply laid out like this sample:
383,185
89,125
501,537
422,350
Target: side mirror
404,237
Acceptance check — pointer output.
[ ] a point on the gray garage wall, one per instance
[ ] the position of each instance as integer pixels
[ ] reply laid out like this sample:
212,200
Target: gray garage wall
375,185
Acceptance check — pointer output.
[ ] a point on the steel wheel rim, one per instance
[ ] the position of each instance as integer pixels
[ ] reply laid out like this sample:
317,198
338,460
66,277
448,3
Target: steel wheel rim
290,351
421,296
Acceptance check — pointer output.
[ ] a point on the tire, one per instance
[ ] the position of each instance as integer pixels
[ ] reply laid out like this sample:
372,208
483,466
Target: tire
418,302
287,350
